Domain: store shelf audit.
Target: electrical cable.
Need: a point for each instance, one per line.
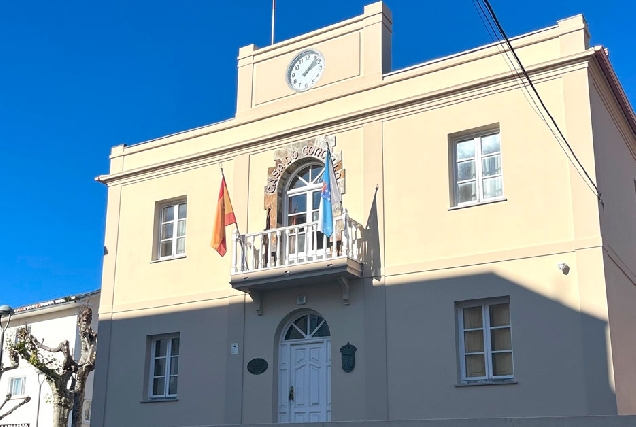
(587, 179)
(527, 94)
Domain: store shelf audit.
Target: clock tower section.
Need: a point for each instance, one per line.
(354, 55)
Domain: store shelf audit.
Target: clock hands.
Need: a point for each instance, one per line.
(312, 65)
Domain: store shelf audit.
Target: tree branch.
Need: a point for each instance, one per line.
(66, 376)
(25, 400)
(15, 361)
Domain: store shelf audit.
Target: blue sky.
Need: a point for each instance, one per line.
(78, 77)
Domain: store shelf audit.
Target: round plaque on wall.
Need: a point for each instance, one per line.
(257, 366)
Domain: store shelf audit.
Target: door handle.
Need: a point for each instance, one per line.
(291, 393)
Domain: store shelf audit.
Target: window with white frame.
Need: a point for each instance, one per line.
(86, 411)
(164, 367)
(16, 386)
(477, 161)
(172, 230)
(485, 341)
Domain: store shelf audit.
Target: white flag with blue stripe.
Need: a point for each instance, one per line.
(329, 196)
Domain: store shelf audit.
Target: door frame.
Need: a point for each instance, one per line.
(285, 357)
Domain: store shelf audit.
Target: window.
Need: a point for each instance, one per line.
(16, 386)
(302, 203)
(307, 327)
(164, 367)
(485, 341)
(478, 175)
(172, 230)
(86, 411)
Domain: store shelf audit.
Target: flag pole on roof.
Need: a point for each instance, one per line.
(273, 16)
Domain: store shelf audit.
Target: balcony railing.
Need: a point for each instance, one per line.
(296, 245)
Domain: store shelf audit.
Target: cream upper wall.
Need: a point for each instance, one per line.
(419, 225)
(428, 81)
(342, 60)
(201, 271)
(616, 170)
(420, 228)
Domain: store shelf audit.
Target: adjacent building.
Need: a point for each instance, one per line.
(474, 269)
(51, 322)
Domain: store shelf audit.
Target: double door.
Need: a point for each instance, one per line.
(305, 382)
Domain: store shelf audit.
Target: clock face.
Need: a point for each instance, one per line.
(305, 70)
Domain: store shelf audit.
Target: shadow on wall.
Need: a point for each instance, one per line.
(560, 358)
(372, 255)
(560, 355)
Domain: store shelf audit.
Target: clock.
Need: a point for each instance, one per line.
(305, 70)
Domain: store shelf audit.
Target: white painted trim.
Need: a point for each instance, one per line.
(485, 304)
(22, 379)
(284, 348)
(166, 376)
(174, 204)
(477, 159)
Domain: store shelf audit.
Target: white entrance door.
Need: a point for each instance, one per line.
(305, 372)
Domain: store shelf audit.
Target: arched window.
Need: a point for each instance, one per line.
(302, 200)
(306, 327)
(303, 195)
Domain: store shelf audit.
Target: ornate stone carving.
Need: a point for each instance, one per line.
(286, 161)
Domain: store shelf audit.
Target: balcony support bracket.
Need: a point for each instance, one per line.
(344, 282)
(258, 300)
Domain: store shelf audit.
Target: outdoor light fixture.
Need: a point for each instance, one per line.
(565, 269)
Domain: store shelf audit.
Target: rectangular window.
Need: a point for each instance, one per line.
(172, 230)
(164, 367)
(477, 162)
(86, 411)
(16, 386)
(485, 341)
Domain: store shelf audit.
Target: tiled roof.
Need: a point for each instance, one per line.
(54, 302)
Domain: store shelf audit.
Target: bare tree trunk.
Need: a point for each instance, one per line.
(61, 412)
(66, 377)
(78, 406)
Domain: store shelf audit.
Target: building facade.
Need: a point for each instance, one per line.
(472, 272)
(51, 322)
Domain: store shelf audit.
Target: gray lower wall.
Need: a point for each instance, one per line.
(590, 421)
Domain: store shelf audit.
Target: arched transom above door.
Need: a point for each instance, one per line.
(287, 161)
(306, 327)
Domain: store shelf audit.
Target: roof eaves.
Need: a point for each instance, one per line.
(55, 302)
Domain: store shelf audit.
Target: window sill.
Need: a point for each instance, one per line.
(485, 202)
(154, 261)
(487, 382)
(160, 399)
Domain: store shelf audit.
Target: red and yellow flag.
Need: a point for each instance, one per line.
(224, 217)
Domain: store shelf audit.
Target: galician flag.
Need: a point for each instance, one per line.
(224, 217)
(330, 196)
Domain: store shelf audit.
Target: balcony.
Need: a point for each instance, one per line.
(298, 255)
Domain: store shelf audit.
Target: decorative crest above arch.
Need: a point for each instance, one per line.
(286, 160)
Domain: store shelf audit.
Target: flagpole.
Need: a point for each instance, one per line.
(273, 16)
(238, 232)
(236, 223)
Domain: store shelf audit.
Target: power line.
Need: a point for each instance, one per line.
(488, 25)
(491, 12)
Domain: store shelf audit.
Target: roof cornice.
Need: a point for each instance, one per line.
(421, 102)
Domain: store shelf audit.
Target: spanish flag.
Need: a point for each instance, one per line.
(224, 217)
